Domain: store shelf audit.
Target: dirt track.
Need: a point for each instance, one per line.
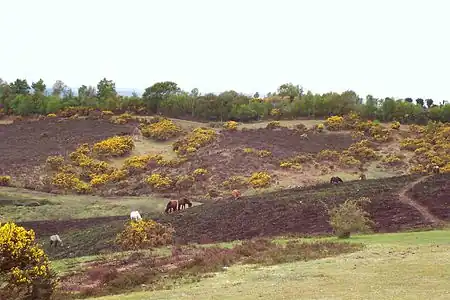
(26, 144)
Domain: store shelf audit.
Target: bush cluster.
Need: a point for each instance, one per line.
(275, 113)
(69, 181)
(136, 163)
(395, 125)
(51, 115)
(361, 150)
(259, 179)
(328, 155)
(144, 234)
(230, 125)
(114, 146)
(199, 137)
(72, 111)
(335, 123)
(235, 182)
(319, 127)
(115, 175)
(184, 182)
(55, 162)
(161, 130)
(392, 159)
(24, 266)
(349, 217)
(200, 173)
(159, 182)
(291, 165)
(123, 118)
(5, 180)
(273, 124)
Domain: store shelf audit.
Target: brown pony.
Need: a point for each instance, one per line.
(362, 176)
(182, 203)
(171, 206)
(236, 194)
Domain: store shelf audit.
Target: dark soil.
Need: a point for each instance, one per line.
(434, 193)
(27, 144)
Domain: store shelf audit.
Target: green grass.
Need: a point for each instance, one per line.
(413, 265)
(62, 207)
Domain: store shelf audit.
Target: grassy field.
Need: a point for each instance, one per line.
(413, 265)
(16, 204)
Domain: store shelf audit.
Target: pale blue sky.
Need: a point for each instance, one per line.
(396, 48)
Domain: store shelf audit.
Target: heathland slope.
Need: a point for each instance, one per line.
(292, 211)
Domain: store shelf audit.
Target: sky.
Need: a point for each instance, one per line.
(386, 48)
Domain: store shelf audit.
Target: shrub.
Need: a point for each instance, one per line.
(235, 182)
(70, 182)
(319, 127)
(395, 125)
(357, 135)
(248, 150)
(330, 155)
(361, 151)
(24, 266)
(348, 161)
(184, 182)
(162, 130)
(231, 125)
(200, 172)
(276, 113)
(123, 118)
(290, 164)
(334, 123)
(139, 163)
(349, 217)
(392, 159)
(55, 162)
(259, 179)
(99, 179)
(273, 124)
(107, 113)
(445, 169)
(171, 162)
(5, 180)
(418, 169)
(264, 153)
(144, 234)
(51, 115)
(114, 146)
(159, 182)
(199, 137)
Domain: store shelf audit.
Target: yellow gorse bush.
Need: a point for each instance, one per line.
(395, 125)
(259, 179)
(273, 124)
(22, 261)
(200, 172)
(51, 115)
(196, 139)
(159, 182)
(329, 155)
(139, 163)
(334, 123)
(55, 162)
(392, 159)
(235, 182)
(5, 180)
(114, 146)
(144, 234)
(230, 125)
(68, 181)
(161, 130)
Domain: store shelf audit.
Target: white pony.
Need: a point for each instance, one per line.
(55, 239)
(135, 216)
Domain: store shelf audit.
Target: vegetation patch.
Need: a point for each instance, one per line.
(162, 130)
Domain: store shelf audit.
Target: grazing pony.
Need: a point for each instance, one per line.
(55, 239)
(236, 194)
(182, 203)
(171, 206)
(335, 180)
(436, 169)
(135, 216)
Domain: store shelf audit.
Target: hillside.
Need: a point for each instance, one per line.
(299, 211)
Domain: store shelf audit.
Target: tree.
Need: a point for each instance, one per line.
(106, 89)
(420, 101)
(23, 265)
(39, 87)
(290, 90)
(58, 88)
(429, 102)
(20, 87)
(349, 217)
(256, 95)
(410, 100)
(153, 95)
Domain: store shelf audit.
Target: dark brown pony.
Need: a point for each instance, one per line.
(335, 180)
(182, 203)
(171, 206)
(362, 177)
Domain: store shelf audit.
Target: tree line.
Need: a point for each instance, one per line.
(167, 98)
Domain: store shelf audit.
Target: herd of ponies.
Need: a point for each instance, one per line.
(174, 205)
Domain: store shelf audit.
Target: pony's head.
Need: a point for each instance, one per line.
(189, 203)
